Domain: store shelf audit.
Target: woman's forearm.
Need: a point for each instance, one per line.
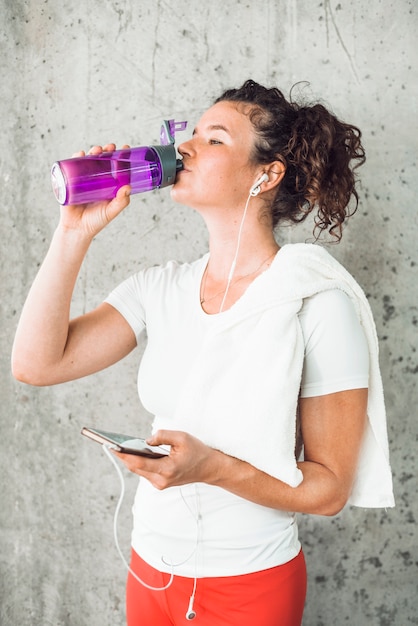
(42, 331)
(320, 492)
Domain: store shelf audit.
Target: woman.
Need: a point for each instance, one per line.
(245, 346)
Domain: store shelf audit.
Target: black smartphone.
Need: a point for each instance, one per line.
(125, 443)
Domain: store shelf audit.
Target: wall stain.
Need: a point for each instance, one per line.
(389, 308)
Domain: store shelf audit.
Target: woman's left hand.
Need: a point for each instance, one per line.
(189, 461)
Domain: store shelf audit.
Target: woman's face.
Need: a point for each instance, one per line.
(217, 170)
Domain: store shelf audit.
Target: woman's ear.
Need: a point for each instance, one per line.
(271, 177)
(275, 172)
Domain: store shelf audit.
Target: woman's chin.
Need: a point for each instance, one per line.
(178, 194)
(174, 193)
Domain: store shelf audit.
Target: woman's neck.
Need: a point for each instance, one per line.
(253, 249)
(232, 268)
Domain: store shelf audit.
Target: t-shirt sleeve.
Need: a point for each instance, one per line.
(128, 299)
(336, 350)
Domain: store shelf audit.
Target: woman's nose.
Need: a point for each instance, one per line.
(185, 148)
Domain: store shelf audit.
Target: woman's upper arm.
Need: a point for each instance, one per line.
(332, 429)
(95, 340)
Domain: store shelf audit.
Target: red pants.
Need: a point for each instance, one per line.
(272, 597)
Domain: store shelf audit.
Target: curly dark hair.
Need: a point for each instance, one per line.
(319, 152)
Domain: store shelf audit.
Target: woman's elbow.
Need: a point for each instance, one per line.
(334, 505)
(30, 374)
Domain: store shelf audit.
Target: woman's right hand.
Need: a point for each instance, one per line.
(89, 219)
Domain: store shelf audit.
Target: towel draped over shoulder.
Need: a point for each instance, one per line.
(242, 393)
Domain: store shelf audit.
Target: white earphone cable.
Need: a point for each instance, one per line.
(115, 527)
(234, 261)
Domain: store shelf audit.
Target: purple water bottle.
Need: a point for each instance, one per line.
(98, 177)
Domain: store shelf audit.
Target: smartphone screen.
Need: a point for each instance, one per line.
(125, 443)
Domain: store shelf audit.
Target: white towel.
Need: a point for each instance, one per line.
(242, 394)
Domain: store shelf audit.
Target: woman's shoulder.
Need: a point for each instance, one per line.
(330, 302)
(329, 309)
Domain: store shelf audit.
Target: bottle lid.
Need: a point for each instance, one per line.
(168, 164)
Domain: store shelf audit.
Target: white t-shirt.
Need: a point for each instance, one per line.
(198, 529)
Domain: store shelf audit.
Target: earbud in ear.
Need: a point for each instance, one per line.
(255, 189)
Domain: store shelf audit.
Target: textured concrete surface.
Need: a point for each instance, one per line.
(78, 73)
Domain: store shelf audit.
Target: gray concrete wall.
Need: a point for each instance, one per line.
(78, 73)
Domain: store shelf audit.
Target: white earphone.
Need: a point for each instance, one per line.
(255, 189)
(191, 613)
